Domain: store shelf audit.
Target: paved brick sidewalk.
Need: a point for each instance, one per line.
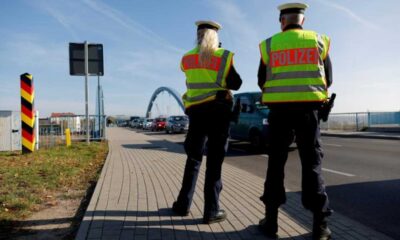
(139, 183)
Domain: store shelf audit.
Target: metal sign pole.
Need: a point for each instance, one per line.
(98, 103)
(103, 115)
(79, 58)
(87, 92)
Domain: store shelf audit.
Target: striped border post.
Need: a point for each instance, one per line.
(27, 113)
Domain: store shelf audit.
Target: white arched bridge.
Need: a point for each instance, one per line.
(168, 90)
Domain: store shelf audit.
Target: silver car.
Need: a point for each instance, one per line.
(177, 124)
(147, 123)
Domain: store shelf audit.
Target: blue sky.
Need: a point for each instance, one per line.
(144, 41)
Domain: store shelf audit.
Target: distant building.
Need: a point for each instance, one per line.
(67, 120)
(59, 115)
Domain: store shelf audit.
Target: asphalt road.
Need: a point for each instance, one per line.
(362, 176)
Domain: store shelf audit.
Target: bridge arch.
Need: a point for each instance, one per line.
(159, 90)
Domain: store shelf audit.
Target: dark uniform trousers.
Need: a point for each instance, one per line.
(305, 125)
(208, 124)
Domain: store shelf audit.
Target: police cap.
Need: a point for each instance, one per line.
(208, 24)
(292, 8)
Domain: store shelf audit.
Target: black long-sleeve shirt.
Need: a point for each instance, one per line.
(233, 80)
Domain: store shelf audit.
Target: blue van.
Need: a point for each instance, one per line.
(253, 120)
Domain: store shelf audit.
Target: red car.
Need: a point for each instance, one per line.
(158, 124)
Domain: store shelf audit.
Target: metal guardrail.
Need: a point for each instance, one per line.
(52, 130)
(359, 121)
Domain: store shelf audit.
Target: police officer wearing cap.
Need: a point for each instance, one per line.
(294, 76)
(210, 75)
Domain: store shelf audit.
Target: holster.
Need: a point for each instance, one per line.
(323, 111)
(326, 107)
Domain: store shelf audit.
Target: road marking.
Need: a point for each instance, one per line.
(238, 149)
(332, 145)
(337, 172)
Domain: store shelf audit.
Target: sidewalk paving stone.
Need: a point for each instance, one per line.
(141, 179)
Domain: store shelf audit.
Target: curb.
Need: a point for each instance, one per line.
(355, 135)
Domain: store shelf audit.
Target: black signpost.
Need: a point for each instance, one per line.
(77, 59)
(86, 59)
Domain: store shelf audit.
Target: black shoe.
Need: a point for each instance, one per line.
(320, 228)
(321, 233)
(269, 229)
(269, 224)
(178, 210)
(218, 217)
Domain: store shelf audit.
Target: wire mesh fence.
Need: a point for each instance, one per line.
(360, 121)
(52, 129)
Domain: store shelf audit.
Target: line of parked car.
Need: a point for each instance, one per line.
(171, 124)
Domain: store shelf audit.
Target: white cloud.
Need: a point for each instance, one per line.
(243, 37)
(26, 50)
(236, 22)
(61, 19)
(149, 65)
(130, 24)
(350, 14)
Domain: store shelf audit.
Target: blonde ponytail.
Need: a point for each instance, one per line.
(207, 39)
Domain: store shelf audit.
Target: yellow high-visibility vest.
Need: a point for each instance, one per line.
(295, 68)
(203, 82)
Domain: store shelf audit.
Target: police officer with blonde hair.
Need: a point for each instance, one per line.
(208, 102)
(294, 76)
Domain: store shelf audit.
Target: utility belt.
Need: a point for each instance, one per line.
(323, 108)
(222, 104)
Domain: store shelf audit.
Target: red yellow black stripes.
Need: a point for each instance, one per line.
(27, 113)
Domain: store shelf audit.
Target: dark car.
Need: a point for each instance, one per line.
(133, 121)
(158, 124)
(253, 120)
(177, 124)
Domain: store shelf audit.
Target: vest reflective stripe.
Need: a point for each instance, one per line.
(320, 45)
(300, 88)
(268, 51)
(203, 82)
(293, 97)
(201, 85)
(295, 70)
(222, 68)
(323, 45)
(294, 82)
(297, 74)
(202, 97)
